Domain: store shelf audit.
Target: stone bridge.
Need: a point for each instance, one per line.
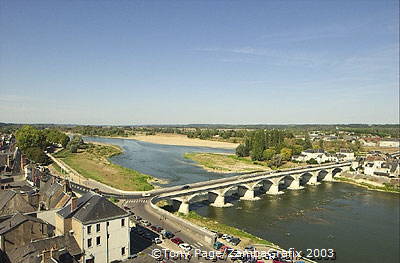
(250, 186)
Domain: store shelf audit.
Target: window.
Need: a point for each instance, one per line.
(89, 229)
(98, 241)
(122, 222)
(123, 251)
(89, 242)
(98, 228)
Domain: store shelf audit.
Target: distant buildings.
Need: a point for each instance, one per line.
(393, 143)
(320, 156)
(378, 164)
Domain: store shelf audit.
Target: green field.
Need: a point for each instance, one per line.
(92, 162)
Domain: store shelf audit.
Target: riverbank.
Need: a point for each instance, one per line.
(224, 163)
(230, 163)
(177, 139)
(92, 162)
(370, 185)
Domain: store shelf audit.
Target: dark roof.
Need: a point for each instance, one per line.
(15, 221)
(31, 252)
(5, 197)
(93, 207)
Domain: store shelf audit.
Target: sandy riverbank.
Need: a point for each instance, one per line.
(181, 140)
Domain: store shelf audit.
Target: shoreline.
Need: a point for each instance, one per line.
(371, 187)
(175, 140)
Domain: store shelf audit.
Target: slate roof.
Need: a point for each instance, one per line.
(91, 208)
(15, 221)
(31, 253)
(5, 197)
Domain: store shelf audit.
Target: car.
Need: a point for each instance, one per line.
(137, 218)
(157, 240)
(185, 187)
(218, 245)
(235, 241)
(145, 223)
(224, 236)
(185, 246)
(177, 240)
(168, 235)
(146, 194)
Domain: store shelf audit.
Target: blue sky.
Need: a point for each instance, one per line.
(177, 62)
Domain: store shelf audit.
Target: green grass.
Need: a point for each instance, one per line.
(247, 238)
(93, 163)
(387, 188)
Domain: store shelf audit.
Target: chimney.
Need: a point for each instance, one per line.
(74, 203)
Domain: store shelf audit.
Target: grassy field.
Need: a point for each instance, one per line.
(247, 238)
(93, 163)
(228, 163)
(224, 163)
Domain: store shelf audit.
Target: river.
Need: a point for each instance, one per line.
(361, 225)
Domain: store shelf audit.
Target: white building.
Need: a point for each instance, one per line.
(100, 228)
(317, 154)
(345, 155)
(390, 143)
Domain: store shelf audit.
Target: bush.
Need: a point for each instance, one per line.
(312, 161)
(36, 155)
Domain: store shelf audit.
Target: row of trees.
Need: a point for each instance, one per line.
(33, 142)
(275, 146)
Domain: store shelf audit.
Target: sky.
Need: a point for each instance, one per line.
(184, 62)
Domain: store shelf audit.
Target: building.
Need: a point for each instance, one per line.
(54, 194)
(12, 202)
(345, 155)
(393, 143)
(319, 155)
(370, 141)
(22, 229)
(57, 249)
(99, 227)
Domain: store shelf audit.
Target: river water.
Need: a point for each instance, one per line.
(361, 225)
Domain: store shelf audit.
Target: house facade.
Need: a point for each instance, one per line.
(99, 227)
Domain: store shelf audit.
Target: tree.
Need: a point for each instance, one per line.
(242, 150)
(307, 142)
(296, 149)
(28, 136)
(312, 161)
(36, 155)
(258, 144)
(321, 144)
(269, 153)
(276, 161)
(286, 154)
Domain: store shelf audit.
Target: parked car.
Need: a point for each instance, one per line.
(185, 187)
(177, 240)
(146, 223)
(235, 241)
(218, 245)
(137, 218)
(167, 234)
(185, 246)
(157, 240)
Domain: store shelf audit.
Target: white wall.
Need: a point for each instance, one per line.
(118, 238)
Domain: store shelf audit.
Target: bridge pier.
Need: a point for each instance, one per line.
(249, 195)
(274, 188)
(219, 201)
(184, 207)
(314, 179)
(295, 184)
(329, 176)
